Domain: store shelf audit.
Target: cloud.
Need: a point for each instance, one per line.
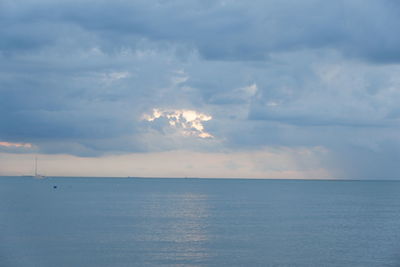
(187, 122)
(219, 30)
(16, 147)
(7, 144)
(77, 78)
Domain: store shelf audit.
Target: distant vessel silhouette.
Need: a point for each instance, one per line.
(37, 176)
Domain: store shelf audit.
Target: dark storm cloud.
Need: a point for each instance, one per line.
(226, 30)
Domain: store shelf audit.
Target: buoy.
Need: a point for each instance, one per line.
(54, 186)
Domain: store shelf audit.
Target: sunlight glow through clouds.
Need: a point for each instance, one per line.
(8, 144)
(190, 122)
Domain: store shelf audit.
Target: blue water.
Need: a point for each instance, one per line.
(194, 222)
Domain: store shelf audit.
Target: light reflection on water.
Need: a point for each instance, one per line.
(180, 222)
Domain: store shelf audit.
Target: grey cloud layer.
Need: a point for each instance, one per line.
(76, 76)
(227, 30)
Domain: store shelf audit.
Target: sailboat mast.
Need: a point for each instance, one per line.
(35, 166)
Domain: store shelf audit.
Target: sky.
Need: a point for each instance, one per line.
(306, 89)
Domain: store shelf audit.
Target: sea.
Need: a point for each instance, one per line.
(99, 222)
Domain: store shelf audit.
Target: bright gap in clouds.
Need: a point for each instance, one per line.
(189, 122)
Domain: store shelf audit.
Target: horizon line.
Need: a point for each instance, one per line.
(204, 178)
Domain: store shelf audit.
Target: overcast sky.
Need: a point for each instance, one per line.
(272, 88)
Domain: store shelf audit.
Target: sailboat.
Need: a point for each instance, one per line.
(37, 176)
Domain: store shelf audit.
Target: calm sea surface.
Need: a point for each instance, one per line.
(198, 222)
